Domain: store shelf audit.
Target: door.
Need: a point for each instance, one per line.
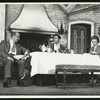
(78, 39)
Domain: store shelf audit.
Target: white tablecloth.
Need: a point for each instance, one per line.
(44, 63)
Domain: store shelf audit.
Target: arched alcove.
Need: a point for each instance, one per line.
(88, 26)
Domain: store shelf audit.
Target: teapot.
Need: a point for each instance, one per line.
(49, 49)
(43, 48)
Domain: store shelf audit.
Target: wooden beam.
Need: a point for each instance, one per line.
(68, 8)
(87, 7)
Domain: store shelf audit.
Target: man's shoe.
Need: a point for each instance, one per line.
(5, 84)
(20, 83)
(9, 83)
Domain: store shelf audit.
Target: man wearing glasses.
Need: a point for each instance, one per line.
(8, 50)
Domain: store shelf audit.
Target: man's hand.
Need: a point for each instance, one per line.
(27, 52)
(10, 58)
(22, 58)
(25, 56)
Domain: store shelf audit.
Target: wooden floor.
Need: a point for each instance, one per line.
(72, 89)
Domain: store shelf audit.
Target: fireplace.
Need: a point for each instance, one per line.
(34, 26)
(32, 41)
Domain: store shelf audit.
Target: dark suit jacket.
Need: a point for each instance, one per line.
(60, 49)
(5, 47)
(97, 49)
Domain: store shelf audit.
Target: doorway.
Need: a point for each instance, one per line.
(79, 36)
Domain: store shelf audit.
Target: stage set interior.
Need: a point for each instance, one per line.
(37, 23)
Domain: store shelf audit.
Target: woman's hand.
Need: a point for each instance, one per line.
(93, 52)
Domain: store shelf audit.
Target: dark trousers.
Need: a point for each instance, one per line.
(9, 64)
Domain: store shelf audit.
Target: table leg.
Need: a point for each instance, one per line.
(92, 79)
(56, 78)
(64, 79)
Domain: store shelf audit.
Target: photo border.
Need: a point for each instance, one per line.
(50, 96)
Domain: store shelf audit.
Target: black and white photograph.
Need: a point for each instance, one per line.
(50, 49)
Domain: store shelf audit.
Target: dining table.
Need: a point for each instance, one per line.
(45, 62)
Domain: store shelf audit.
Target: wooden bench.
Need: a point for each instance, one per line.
(75, 68)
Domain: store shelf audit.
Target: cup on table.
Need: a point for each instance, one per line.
(49, 49)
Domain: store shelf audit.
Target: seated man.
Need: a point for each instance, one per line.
(95, 50)
(8, 49)
(56, 46)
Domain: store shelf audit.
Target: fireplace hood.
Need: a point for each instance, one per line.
(33, 19)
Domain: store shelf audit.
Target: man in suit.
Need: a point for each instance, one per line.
(56, 46)
(9, 48)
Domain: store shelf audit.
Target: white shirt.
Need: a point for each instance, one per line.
(56, 47)
(95, 47)
(11, 46)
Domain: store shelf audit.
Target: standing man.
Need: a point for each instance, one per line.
(8, 49)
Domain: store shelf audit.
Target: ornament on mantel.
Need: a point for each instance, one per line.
(99, 31)
(62, 30)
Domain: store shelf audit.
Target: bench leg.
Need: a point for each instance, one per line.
(56, 72)
(92, 79)
(64, 79)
